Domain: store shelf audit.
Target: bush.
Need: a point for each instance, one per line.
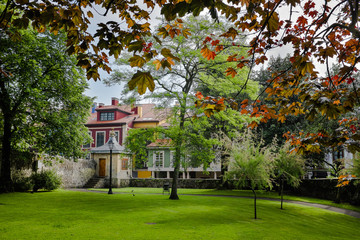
(47, 180)
(22, 183)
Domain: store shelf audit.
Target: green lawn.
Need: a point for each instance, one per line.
(87, 215)
(244, 193)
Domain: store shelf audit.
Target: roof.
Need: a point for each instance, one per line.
(112, 107)
(152, 114)
(149, 114)
(105, 148)
(92, 120)
(160, 143)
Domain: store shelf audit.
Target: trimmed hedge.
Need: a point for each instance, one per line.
(326, 189)
(183, 183)
(317, 188)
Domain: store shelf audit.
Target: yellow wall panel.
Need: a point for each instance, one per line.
(144, 174)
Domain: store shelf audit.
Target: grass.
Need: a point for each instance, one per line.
(243, 193)
(86, 215)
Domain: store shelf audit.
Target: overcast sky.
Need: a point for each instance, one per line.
(98, 89)
(104, 94)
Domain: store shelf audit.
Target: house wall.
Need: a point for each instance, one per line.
(166, 157)
(145, 124)
(107, 131)
(118, 172)
(197, 172)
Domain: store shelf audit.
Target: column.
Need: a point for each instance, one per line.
(215, 176)
(167, 174)
(188, 175)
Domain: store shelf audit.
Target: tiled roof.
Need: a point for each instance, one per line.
(160, 143)
(111, 107)
(152, 114)
(92, 120)
(149, 114)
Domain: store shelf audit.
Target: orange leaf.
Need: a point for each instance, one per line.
(231, 71)
(207, 53)
(253, 125)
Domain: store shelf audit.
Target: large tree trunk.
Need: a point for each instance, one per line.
(6, 184)
(178, 143)
(224, 168)
(174, 195)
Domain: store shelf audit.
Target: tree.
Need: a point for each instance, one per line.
(176, 82)
(250, 164)
(318, 32)
(289, 167)
(42, 106)
(136, 142)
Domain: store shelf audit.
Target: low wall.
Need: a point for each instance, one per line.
(72, 173)
(182, 183)
(317, 188)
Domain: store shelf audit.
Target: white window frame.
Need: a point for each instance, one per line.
(155, 160)
(97, 137)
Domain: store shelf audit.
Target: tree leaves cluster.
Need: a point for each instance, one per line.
(42, 106)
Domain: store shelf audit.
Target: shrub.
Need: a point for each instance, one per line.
(47, 180)
(22, 183)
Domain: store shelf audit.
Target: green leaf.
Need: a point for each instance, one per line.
(167, 53)
(137, 61)
(135, 46)
(142, 80)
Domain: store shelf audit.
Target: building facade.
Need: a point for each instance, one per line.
(119, 119)
(160, 163)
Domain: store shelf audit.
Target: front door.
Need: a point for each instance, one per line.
(102, 166)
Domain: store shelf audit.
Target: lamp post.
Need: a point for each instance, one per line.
(111, 146)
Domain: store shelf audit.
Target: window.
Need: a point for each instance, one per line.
(159, 159)
(124, 164)
(88, 145)
(107, 116)
(100, 139)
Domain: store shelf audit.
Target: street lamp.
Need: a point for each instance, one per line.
(111, 146)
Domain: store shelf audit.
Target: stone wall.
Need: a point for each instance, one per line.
(73, 173)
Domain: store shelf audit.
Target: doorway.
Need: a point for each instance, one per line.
(102, 167)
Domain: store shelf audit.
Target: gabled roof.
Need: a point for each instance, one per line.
(105, 148)
(124, 109)
(160, 143)
(152, 114)
(92, 120)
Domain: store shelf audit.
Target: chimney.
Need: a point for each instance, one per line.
(101, 105)
(137, 110)
(114, 101)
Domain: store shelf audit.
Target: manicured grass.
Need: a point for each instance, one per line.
(244, 193)
(88, 215)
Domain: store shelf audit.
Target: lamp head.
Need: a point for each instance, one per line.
(111, 143)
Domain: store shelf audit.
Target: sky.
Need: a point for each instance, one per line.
(98, 89)
(103, 93)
